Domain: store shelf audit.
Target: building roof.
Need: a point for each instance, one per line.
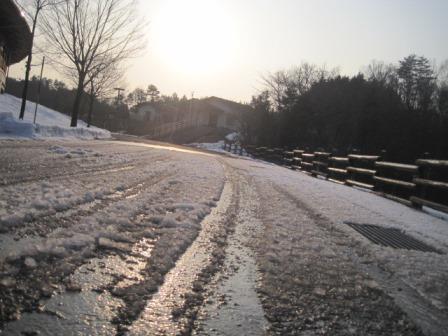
(227, 106)
(15, 31)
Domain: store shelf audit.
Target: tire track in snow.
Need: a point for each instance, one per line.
(196, 181)
(173, 308)
(68, 170)
(232, 305)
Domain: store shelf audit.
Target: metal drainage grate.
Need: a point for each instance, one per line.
(390, 237)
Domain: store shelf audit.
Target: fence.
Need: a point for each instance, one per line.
(320, 164)
(361, 170)
(395, 180)
(431, 185)
(422, 184)
(307, 162)
(236, 148)
(337, 171)
(297, 160)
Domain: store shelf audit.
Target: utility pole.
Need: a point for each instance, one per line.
(119, 91)
(38, 89)
(7, 70)
(190, 112)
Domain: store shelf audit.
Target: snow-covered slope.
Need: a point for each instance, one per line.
(49, 123)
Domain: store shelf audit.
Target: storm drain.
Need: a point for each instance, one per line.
(390, 237)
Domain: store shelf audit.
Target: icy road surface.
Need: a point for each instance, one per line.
(121, 238)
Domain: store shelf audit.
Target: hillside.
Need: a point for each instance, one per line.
(49, 123)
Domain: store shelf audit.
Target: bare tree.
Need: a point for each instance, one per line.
(442, 74)
(383, 73)
(294, 82)
(102, 81)
(84, 35)
(32, 9)
(442, 91)
(276, 84)
(305, 75)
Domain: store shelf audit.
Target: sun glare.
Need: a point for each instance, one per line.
(195, 37)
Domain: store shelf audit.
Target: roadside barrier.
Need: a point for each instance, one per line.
(395, 180)
(320, 164)
(260, 153)
(431, 185)
(234, 147)
(307, 162)
(361, 170)
(422, 184)
(288, 159)
(337, 171)
(297, 160)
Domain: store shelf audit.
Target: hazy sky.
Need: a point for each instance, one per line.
(222, 47)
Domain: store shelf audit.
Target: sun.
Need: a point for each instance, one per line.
(196, 36)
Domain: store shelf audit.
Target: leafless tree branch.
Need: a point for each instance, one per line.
(90, 38)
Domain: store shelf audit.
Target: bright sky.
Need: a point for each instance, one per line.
(222, 47)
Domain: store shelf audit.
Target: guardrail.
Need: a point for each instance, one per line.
(422, 184)
(320, 164)
(431, 185)
(361, 170)
(297, 160)
(288, 159)
(395, 180)
(337, 171)
(307, 162)
(234, 147)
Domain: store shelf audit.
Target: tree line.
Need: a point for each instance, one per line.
(401, 108)
(112, 113)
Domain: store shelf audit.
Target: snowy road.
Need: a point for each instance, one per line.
(120, 238)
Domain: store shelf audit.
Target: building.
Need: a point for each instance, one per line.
(212, 112)
(154, 113)
(15, 38)
(222, 113)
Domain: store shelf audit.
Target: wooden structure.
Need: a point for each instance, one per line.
(307, 162)
(320, 164)
(395, 180)
(250, 149)
(15, 38)
(422, 184)
(361, 170)
(297, 160)
(431, 185)
(288, 159)
(337, 170)
(260, 153)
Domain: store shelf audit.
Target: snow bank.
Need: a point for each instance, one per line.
(214, 147)
(49, 123)
(232, 136)
(217, 147)
(10, 127)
